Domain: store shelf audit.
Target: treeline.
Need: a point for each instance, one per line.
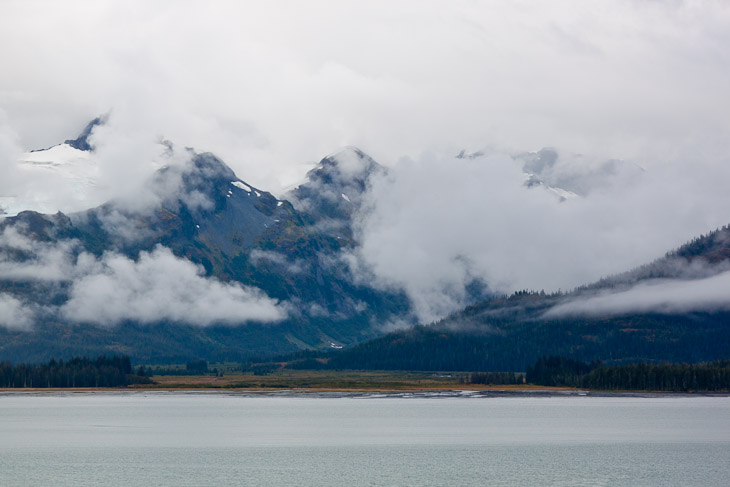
(559, 371)
(103, 371)
(710, 245)
(713, 247)
(674, 377)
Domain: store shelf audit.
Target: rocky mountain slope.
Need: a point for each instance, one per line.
(279, 264)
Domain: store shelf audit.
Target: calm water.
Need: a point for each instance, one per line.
(162, 439)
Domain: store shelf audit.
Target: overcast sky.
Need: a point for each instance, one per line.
(274, 85)
(271, 87)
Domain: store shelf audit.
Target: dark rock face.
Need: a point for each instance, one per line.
(82, 141)
(336, 188)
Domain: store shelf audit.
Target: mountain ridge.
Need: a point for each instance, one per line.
(509, 333)
(235, 232)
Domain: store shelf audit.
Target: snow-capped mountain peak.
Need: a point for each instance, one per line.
(69, 168)
(71, 171)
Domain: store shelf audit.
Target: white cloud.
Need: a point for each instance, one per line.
(162, 287)
(434, 224)
(271, 86)
(158, 286)
(44, 261)
(121, 168)
(659, 296)
(14, 314)
(10, 151)
(267, 257)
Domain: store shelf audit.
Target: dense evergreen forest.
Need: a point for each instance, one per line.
(103, 371)
(676, 377)
(513, 346)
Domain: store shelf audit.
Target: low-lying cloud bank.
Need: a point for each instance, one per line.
(42, 261)
(658, 296)
(433, 225)
(113, 288)
(162, 287)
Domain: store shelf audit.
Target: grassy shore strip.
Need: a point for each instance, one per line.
(379, 390)
(316, 381)
(320, 379)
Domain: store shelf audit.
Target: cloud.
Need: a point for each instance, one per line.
(273, 87)
(264, 257)
(10, 151)
(656, 296)
(120, 169)
(113, 288)
(41, 261)
(125, 219)
(127, 153)
(14, 315)
(433, 225)
(162, 287)
(317, 311)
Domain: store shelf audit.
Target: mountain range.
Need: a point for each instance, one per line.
(202, 264)
(282, 264)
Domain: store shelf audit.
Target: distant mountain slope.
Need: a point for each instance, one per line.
(82, 141)
(704, 256)
(510, 333)
(514, 345)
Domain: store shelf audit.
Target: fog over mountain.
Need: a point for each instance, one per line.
(462, 219)
(523, 145)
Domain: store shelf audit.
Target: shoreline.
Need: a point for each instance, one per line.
(359, 393)
(349, 383)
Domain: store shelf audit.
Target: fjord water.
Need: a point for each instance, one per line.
(179, 439)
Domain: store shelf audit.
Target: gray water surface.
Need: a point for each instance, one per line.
(163, 439)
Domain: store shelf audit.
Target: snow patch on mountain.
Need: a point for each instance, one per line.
(242, 186)
(58, 155)
(74, 174)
